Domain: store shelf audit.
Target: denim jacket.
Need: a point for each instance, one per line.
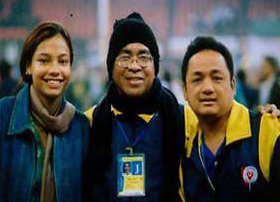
(18, 153)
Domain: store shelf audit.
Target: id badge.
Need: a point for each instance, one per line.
(131, 175)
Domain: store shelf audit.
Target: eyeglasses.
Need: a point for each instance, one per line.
(126, 60)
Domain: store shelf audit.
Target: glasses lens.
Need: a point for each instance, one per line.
(142, 60)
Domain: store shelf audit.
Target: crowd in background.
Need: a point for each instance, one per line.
(236, 22)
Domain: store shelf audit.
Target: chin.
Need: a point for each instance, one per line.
(206, 113)
(53, 95)
(134, 93)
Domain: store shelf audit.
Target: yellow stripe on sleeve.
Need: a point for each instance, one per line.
(269, 132)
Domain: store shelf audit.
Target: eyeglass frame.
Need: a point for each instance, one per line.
(130, 60)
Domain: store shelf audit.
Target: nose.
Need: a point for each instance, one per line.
(54, 69)
(207, 87)
(134, 66)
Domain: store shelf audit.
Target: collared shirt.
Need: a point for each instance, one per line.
(210, 159)
(40, 154)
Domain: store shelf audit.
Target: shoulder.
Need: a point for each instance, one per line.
(269, 126)
(6, 105)
(80, 124)
(255, 119)
(81, 117)
(6, 108)
(168, 92)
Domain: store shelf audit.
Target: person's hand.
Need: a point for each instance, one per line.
(271, 109)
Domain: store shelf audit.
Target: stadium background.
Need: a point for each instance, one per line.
(250, 28)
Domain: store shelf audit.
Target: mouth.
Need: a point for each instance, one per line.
(54, 83)
(208, 101)
(134, 80)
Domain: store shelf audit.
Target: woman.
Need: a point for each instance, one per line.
(43, 138)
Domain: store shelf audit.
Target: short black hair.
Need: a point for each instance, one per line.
(273, 62)
(201, 43)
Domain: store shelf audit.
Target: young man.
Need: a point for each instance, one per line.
(138, 122)
(232, 154)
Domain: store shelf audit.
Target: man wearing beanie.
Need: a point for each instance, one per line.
(137, 126)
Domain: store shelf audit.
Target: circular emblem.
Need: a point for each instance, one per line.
(250, 174)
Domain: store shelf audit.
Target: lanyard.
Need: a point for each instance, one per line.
(202, 155)
(139, 137)
(202, 160)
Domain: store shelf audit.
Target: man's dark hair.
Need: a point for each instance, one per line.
(273, 62)
(206, 43)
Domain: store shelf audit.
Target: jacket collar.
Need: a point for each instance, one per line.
(19, 121)
(238, 126)
(146, 117)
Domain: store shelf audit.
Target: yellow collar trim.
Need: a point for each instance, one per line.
(115, 111)
(238, 126)
(191, 128)
(146, 117)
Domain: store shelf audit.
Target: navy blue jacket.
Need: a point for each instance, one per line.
(18, 153)
(247, 168)
(150, 144)
(162, 143)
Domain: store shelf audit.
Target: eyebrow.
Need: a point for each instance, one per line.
(199, 73)
(141, 51)
(48, 55)
(215, 71)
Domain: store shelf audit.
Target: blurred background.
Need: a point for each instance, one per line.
(249, 28)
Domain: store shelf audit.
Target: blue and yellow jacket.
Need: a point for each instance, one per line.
(150, 145)
(248, 168)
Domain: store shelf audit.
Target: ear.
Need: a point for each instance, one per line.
(232, 84)
(184, 87)
(28, 71)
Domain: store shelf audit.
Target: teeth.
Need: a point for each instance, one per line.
(53, 81)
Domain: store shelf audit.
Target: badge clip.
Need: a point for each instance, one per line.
(130, 150)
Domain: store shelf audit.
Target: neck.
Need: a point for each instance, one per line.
(147, 103)
(51, 105)
(214, 131)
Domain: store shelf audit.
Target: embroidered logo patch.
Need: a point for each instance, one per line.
(250, 174)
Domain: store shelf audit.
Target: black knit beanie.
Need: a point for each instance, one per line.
(132, 29)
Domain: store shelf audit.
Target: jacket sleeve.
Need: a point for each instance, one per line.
(275, 172)
(269, 153)
(6, 106)
(181, 188)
